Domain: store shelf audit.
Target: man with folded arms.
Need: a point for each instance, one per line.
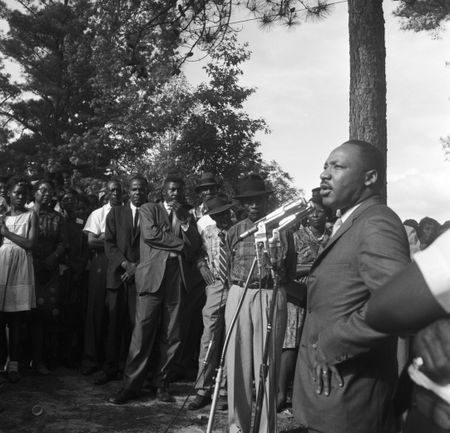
(214, 269)
(169, 245)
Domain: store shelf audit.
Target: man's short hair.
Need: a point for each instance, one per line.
(114, 180)
(16, 180)
(139, 177)
(372, 159)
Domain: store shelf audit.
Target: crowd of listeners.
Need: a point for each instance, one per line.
(58, 275)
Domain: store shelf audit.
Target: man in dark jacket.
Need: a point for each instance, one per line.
(169, 244)
(346, 371)
(122, 251)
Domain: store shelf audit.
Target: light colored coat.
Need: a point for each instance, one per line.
(365, 252)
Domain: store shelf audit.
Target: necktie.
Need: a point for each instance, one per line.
(223, 268)
(136, 221)
(173, 222)
(337, 225)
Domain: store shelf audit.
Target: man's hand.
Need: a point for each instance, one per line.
(3, 228)
(432, 344)
(207, 274)
(323, 374)
(130, 270)
(181, 212)
(432, 407)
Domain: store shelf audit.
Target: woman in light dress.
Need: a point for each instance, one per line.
(18, 230)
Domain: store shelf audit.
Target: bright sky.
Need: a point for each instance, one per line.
(302, 80)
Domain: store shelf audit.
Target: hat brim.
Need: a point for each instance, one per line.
(219, 209)
(203, 185)
(248, 194)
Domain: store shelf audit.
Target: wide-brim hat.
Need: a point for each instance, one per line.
(218, 204)
(251, 185)
(207, 179)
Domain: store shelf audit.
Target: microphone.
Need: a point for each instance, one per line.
(298, 208)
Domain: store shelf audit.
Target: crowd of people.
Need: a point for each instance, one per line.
(125, 287)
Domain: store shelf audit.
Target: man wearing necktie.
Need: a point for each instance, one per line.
(346, 371)
(169, 243)
(122, 251)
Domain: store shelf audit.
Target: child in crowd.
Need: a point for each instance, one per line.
(18, 229)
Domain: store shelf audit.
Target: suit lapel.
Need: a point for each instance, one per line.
(374, 200)
(128, 214)
(164, 214)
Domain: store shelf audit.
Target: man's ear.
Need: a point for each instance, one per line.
(370, 177)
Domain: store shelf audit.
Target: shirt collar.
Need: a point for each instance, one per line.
(345, 216)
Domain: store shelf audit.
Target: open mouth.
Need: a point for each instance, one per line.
(325, 189)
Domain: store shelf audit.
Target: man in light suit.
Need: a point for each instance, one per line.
(122, 251)
(169, 245)
(346, 371)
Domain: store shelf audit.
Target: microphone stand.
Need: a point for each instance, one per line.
(275, 256)
(284, 217)
(224, 350)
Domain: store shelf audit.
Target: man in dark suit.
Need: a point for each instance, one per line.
(346, 371)
(169, 245)
(122, 251)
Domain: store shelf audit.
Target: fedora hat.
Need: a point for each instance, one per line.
(206, 179)
(218, 204)
(251, 185)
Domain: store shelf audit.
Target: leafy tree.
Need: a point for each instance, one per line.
(281, 183)
(419, 15)
(212, 131)
(102, 90)
(445, 141)
(82, 101)
(426, 15)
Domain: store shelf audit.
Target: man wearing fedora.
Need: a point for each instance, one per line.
(213, 266)
(207, 188)
(169, 245)
(245, 352)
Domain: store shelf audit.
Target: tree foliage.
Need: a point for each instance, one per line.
(419, 15)
(80, 103)
(213, 131)
(102, 93)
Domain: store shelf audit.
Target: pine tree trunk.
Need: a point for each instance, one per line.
(367, 72)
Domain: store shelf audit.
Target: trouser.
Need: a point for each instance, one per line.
(191, 332)
(245, 353)
(121, 311)
(211, 342)
(94, 330)
(157, 314)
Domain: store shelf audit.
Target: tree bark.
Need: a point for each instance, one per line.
(367, 72)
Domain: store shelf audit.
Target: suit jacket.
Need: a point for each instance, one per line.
(121, 243)
(365, 252)
(157, 241)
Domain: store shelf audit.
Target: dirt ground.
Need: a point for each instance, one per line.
(72, 404)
